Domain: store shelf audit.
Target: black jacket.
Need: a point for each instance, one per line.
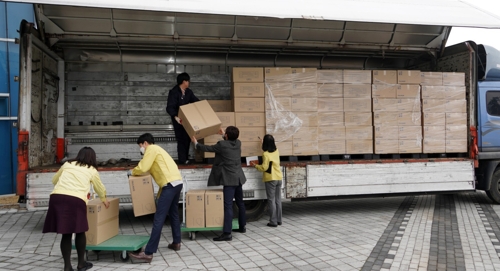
(175, 100)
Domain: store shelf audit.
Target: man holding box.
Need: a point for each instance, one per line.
(179, 95)
(166, 174)
(227, 171)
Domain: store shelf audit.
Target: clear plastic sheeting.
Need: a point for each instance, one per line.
(284, 123)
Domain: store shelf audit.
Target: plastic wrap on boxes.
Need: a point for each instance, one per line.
(456, 106)
(304, 104)
(431, 118)
(304, 90)
(330, 90)
(358, 118)
(386, 132)
(454, 92)
(387, 105)
(284, 102)
(386, 146)
(284, 122)
(409, 118)
(433, 105)
(434, 133)
(433, 92)
(383, 77)
(330, 105)
(327, 133)
(304, 75)
(357, 91)
(277, 74)
(387, 91)
(456, 118)
(456, 132)
(453, 78)
(309, 119)
(330, 118)
(279, 89)
(306, 134)
(431, 78)
(331, 147)
(357, 105)
(408, 91)
(411, 77)
(409, 105)
(357, 77)
(456, 145)
(330, 76)
(359, 132)
(385, 118)
(410, 132)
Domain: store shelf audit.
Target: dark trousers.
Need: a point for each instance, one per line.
(168, 203)
(183, 142)
(235, 192)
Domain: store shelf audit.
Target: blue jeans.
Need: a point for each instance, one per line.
(168, 203)
(235, 192)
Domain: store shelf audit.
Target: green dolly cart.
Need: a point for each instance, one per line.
(121, 243)
(192, 231)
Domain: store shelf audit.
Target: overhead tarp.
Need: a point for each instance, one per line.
(415, 12)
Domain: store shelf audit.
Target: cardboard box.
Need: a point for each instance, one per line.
(304, 90)
(330, 104)
(103, 222)
(309, 119)
(456, 119)
(453, 79)
(221, 105)
(330, 118)
(252, 133)
(357, 77)
(457, 132)
(358, 119)
(454, 92)
(386, 132)
(331, 147)
(285, 147)
(358, 132)
(387, 105)
(304, 75)
(281, 132)
(431, 78)
(384, 91)
(456, 106)
(409, 105)
(214, 208)
(251, 148)
(195, 208)
(410, 132)
(383, 146)
(250, 119)
(306, 134)
(199, 119)
(359, 146)
(212, 140)
(226, 118)
(408, 91)
(278, 74)
(330, 90)
(434, 133)
(331, 133)
(410, 77)
(279, 89)
(243, 74)
(456, 145)
(304, 104)
(437, 119)
(433, 92)
(301, 147)
(384, 77)
(249, 105)
(433, 105)
(434, 146)
(279, 104)
(410, 146)
(330, 76)
(208, 155)
(357, 91)
(248, 90)
(142, 194)
(357, 105)
(385, 118)
(409, 118)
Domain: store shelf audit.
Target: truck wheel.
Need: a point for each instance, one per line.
(494, 192)
(254, 209)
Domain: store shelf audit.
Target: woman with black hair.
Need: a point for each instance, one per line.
(272, 177)
(67, 213)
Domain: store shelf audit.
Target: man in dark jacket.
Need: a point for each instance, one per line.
(227, 171)
(179, 95)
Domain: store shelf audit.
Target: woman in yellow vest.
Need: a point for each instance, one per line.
(272, 178)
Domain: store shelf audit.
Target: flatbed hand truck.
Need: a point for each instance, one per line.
(123, 243)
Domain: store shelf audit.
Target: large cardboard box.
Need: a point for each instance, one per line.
(304, 90)
(409, 118)
(384, 91)
(453, 78)
(221, 105)
(456, 106)
(410, 146)
(357, 91)
(199, 119)
(330, 105)
(243, 74)
(434, 146)
(331, 147)
(285, 147)
(433, 105)
(226, 118)
(408, 91)
(410, 132)
(386, 133)
(251, 148)
(278, 74)
(363, 146)
(456, 118)
(456, 145)
(279, 89)
(433, 92)
(279, 104)
(410, 77)
(306, 134)
(304, 75)
(387, 105)
(357, 105)
(195, 208)
(330, 90)
(436, 119)
(330, 76)
(249, 105)
(454, 92)
(357, 77)
(409, 104)
(103, 223)
(331, 133)
(252, 133)
(358, 118)
(309, 119)
(434, 133)
(384, 77)
(358, 132)
(385, 118)
(304, 104)
(214, 208)
(330, 118)
(301, 147)
(431, 78)
(142, 193)
(386, 146)
(250, 119)
(248, 90)
(456, 132)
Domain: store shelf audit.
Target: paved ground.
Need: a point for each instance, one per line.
(431, 232)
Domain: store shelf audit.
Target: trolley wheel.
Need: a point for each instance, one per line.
(192, 235)
(124, 256)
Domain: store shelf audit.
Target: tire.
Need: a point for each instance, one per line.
(254, 209)
(494, 192)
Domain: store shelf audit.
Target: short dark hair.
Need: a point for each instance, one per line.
(232, 133)
(147, 137)
(86, 158)
(268, 143)
(183, 77)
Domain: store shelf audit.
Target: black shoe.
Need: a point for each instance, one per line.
(272, 225)
(279, 223)
(224, 237)
(241, 230)
(87, 266)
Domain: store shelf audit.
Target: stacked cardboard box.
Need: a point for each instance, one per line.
(456, 112)
(433, 109)
(204, 208)
(249, 109)
(103, 222)
(331, 126)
